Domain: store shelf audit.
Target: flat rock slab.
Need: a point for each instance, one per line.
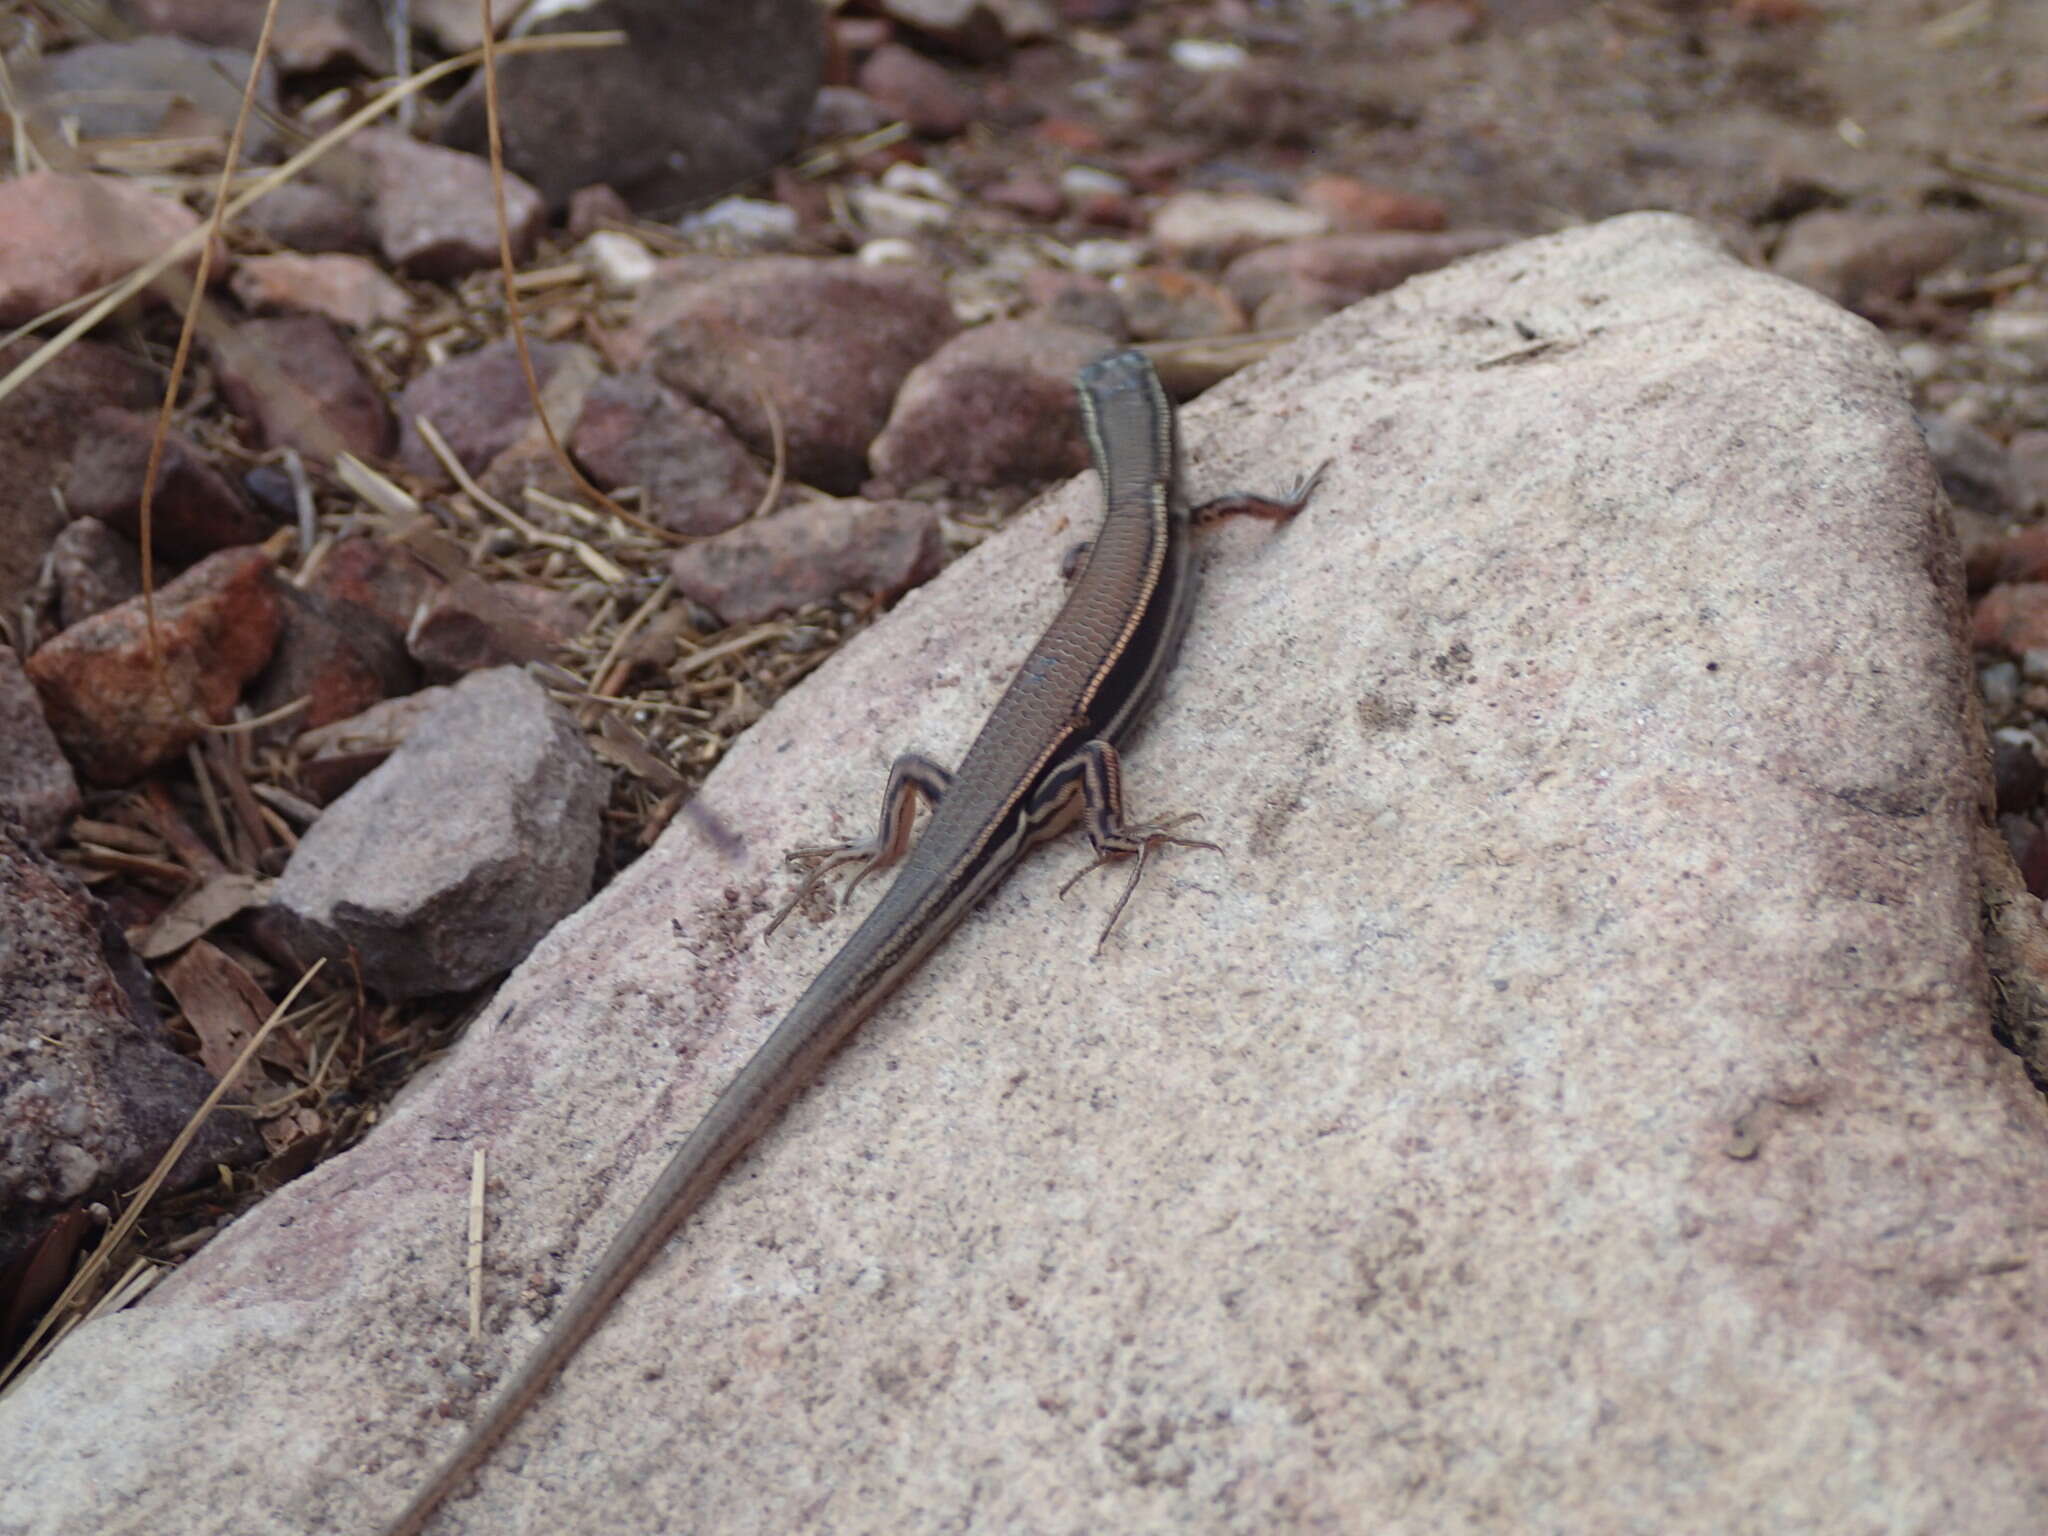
(1569, 1103)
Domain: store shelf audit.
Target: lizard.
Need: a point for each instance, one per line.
(1045, 758)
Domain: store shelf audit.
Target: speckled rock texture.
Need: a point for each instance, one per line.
(91, 1093)
(1568, 1103)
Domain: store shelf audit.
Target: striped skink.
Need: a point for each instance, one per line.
(1045, 758)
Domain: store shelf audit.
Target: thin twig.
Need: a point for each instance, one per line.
(508, 271)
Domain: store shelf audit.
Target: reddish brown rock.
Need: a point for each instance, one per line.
(115, 713)
(298, 382)
(196, 509)
(432, 211)
(1168, 304)
(330, 662)
(1355, 206)
(1348, 267)
(36, 783)
(473, 626)
(307, 216)
(2012, 617)
(1860, 259)
(909, 86)
(1074, 298)
(62, 236)
(478, 402)
(39, 427)
(809, 554)
(1070, 134)
(94, 568)
(346, 289)
(993, 406)
(2020, 556)
(378, 581)
(829, 341)
(146, 87)
(1028, 193)
(693, 474)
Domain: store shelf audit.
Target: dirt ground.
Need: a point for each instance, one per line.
(1556, 113)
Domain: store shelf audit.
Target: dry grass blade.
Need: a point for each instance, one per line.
(199, 911)
(594, 562)
(775, 629)
(603, 682)
(383, 494)
(89, 1272)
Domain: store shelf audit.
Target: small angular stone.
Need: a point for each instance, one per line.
(116, 714)
(703, 98)
(479, 625)
(91, 1093)
(308, 216)
(693, 474)
(2012, 617)
(1168, 304)
(153, 86)
(330, 662)
(1354, 206)
(378, 581)
(62, 236)
(993, 406)
(295, 378)
(448, 863)
(346, 289)
(95, 568)
(333, 758)
(1348, 268)
(308, 36)
(1859, 259)
(829, 341)
(432, 210)
(479, 402)
(196, 509)
(40, 425)
(808, 554)
(36, 783)
(907, 85)
(1214, 226)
